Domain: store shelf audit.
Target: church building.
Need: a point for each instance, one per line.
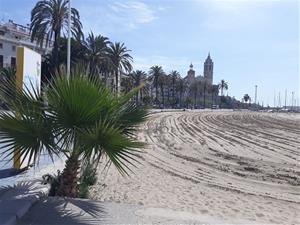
(207, 72)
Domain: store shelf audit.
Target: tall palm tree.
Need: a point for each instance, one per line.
(174, 76)
(138, 77)
(223, 86)
(82, 120)
(168, 86)
(127, 84)
(194, 89)
(120, 60)
(7, 75)
(96, 52)
(162, 81)
(49, 19)
(156, 72)
(206, 88)
(214, 93)
(181, 87)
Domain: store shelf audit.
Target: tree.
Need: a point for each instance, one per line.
(96, 53)
(7, 75)
(49, 20)
(156, 72)
(138, 77)
(223, 86)
(82, 120)
(181, 87)
(214, 93)
(174, 76)
(205, 89)
(247, 98)
(194, 89)
(120, 60)
(162, 80)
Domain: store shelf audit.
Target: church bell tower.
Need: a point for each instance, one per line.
(208, 69)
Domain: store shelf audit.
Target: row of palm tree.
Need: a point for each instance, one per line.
(170, 89)
(102, 57)
(49, 23)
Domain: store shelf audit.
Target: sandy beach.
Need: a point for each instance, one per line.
(234, 166)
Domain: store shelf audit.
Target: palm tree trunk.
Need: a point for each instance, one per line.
(69, 178)
(163, 96)
(156, 91)
(180, 97)
(56, 51)
(137, 98)
(204, 97)
(117, 81)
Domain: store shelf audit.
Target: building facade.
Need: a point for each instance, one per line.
(13, 35)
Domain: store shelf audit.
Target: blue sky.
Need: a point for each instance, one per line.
(250, 41)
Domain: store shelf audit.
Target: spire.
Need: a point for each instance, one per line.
(191, 66)
(208, 59)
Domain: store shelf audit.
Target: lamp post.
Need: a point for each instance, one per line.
(255, 96)
(292, 100)
(285, 98)
(69, 41)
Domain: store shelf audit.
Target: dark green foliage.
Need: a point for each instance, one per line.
(82, 120)
(89, 174)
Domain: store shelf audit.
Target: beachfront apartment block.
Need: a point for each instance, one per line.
(13, 35)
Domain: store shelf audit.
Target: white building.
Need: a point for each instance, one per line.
(13, 35)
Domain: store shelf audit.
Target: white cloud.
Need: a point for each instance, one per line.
(235, 14)
(117, 16)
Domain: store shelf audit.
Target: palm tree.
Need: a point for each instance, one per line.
(82, 120)
(247, 98)
(223, 86)
(138, 77)
(7, 75)
(206, 88)
(156, 72)
(174, 76)
(194, 89)
(214, 92)
(127, 84)
(168, 86)
(96, 52)
(181, 87)
(162, 80)
(120, 60)
(49, 20)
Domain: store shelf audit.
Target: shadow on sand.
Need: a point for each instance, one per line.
(65, 211)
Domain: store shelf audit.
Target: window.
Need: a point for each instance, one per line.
(1, 45)
(1, 32)
(13, 48)
(13, 61)
(1, 61)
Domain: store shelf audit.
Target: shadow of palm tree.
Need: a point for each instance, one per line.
(24, 188)
(55, 210)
